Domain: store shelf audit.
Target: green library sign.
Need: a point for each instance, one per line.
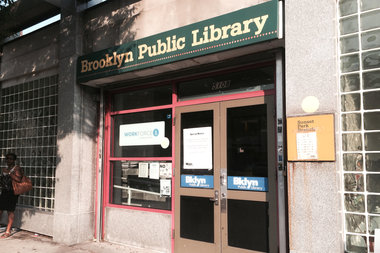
(240, 28)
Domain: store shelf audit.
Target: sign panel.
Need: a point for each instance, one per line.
(307, 145)
(197, 181)
(154, 170)
(240, 28)
(143, 170)
(141, 134)
(247, 183)
(165, 187)
(197, 148)
(311, 138)
(165, 170)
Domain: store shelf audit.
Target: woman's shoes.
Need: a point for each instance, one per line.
(5, 235)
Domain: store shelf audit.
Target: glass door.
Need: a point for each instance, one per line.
(249, 222)
(225, 188)
(197, 162)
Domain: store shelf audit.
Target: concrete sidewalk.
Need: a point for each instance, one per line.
(28, 242)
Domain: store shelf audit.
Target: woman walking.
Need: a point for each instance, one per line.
(8, 199)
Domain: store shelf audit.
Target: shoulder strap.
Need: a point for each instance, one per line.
(12, 169)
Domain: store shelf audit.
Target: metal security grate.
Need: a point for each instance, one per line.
(359, 58)
(28, 127)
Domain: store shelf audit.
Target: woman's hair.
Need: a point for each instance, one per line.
(13, 155)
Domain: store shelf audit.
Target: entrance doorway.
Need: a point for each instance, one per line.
(225, 198)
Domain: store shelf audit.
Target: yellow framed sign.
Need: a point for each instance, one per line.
(311, 138)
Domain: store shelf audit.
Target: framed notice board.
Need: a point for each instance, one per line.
(311, 138)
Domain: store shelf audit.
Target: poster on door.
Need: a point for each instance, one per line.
(197, 148)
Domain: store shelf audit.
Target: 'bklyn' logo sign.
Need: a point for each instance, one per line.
(193, 181)
(248, 183)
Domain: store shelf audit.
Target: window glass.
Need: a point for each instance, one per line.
(354, 202)
(371, 39)
(374, 223)
(371, 121)
(243, 81)
(373, 183)
(370, 20)
(353, 162)
(360, 87)
(242, 217)
(192, 121)
(198, 209)
(353, 182)
(372, 141)
(155, 96)
(356, 243)
(352, 142)
(350, 102)
(349, 25)
(369, 4)
(371, 100)
(347, 7)
(371, 59)
(141, 183)
(349, 63)
(355, 223)
(28, 127)
(349, 44)
(371, 80)
(373, 204)
(351, 122)
(373, 162)
(350, 82)
(143, 134)
(147, 134)
(247, 154)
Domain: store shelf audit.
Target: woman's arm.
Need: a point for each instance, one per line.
(16, 174)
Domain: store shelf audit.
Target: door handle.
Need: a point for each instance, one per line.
(216, 198)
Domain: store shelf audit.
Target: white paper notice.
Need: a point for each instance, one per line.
(165, 187)
(307, 146)
(143, 169)
(154, 170)
(197, 148)
(165, 170)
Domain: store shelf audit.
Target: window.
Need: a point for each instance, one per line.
(133, 99)
(141, 148)
(141, 183)
(227, 83)
(28, 128)
(360, 111)
(140, 134)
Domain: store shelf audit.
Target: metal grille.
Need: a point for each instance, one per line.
(28, 128)
(359, 58)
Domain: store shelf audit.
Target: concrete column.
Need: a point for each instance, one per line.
(311, 70)
(77, 126)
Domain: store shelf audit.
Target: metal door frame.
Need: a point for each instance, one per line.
(220, 225)
(271, 195)
(196, 246)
